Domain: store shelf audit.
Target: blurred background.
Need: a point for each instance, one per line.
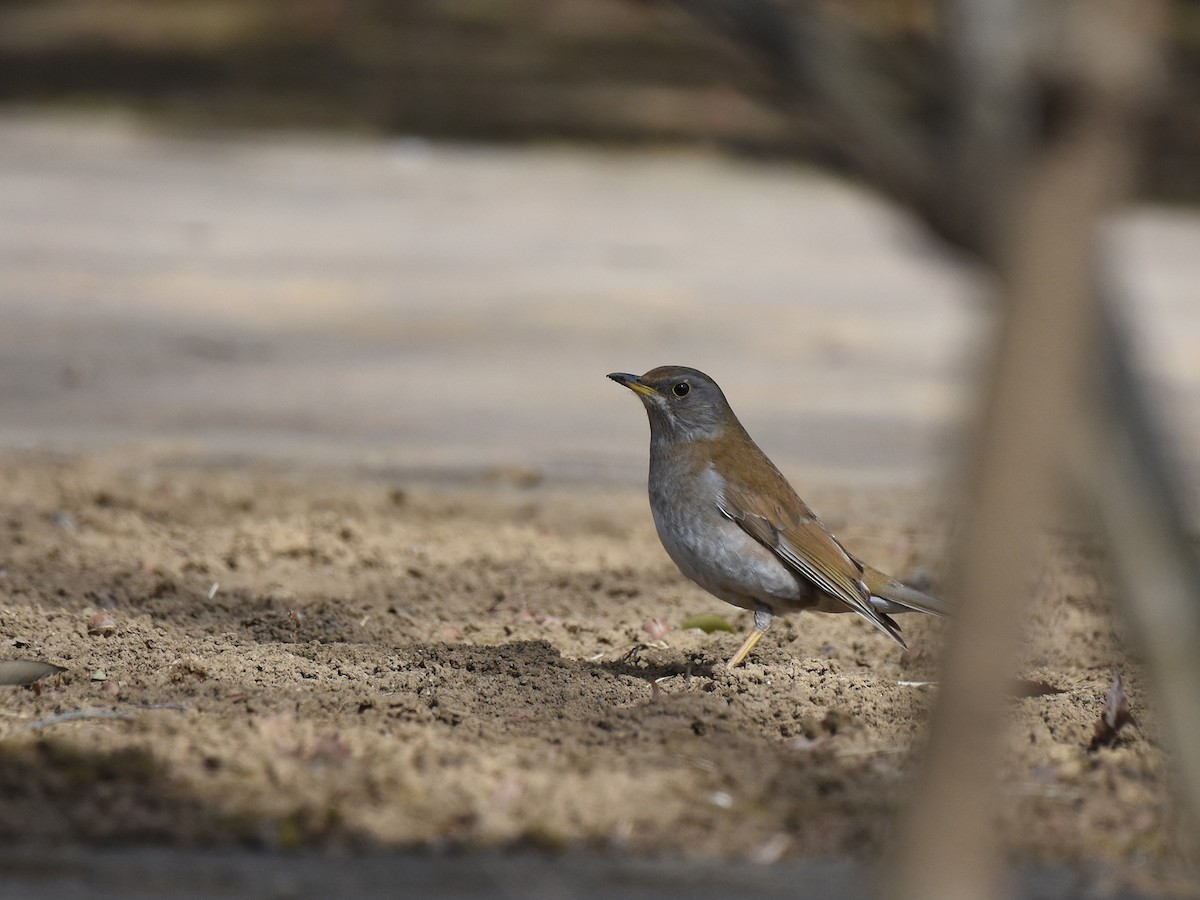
(608, 71)
(416, 236)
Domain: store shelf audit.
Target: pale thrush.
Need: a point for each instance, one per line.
(734, 525)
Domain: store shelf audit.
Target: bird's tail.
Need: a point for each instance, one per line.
(890, 596)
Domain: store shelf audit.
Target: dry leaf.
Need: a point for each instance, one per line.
(26, 671)
(1115, 716)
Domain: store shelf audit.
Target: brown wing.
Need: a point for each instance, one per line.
(791, 531)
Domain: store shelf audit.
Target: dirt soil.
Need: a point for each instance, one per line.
(316, 658)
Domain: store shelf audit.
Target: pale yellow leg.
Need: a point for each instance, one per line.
(762, 621)
(744, 650)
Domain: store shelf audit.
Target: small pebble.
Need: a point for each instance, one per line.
(102, 623)
(657, 629)
(722, 799)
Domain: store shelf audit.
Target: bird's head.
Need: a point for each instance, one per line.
(683, 404)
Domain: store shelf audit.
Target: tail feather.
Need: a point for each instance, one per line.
(890, 596)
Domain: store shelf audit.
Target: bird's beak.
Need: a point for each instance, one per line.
(634, 383)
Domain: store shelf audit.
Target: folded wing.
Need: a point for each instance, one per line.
(801, 542)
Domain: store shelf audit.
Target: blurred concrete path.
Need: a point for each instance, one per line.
(443, 308)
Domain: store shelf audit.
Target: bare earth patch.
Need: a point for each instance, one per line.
(307, 658)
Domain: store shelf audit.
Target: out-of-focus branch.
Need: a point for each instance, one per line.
(1042, 378)
(1036, 142)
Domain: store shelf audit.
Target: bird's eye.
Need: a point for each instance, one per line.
(682, 389)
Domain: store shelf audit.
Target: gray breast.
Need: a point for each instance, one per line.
(710, 549)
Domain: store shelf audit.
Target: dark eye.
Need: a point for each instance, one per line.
(682, 389)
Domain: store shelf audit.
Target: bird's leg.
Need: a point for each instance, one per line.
(762, 621)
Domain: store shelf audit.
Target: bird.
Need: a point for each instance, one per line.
(734, 525)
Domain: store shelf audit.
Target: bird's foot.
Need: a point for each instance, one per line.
(762, 621)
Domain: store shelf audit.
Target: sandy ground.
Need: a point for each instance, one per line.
(332, 449)
(359, 663)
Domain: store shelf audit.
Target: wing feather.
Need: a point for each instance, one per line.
(802, 542)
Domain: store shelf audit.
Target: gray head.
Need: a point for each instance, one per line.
(683, 404)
